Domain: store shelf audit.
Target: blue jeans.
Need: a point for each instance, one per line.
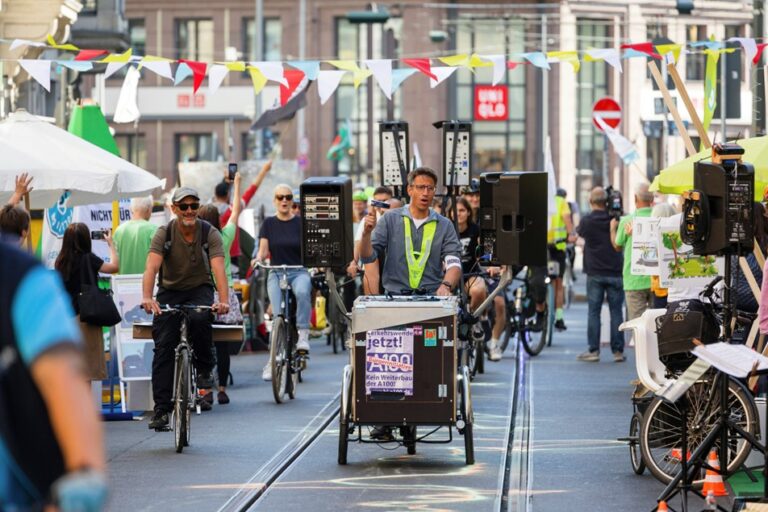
(301, 285)
(598, 287)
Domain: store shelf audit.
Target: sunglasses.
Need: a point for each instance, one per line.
(286, 197)
(186, 206)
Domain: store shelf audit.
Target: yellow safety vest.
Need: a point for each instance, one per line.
(417, 261)
(557, 233)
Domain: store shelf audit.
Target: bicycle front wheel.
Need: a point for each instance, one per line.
(181, 402)
(661, 431)
(278, 358)
(534, 341)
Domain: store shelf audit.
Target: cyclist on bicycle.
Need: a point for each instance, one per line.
(559, 234)
(185, 258)
(280, 239)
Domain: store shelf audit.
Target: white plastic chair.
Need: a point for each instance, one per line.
(650, 370)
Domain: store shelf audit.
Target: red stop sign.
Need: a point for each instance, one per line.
(608, 110)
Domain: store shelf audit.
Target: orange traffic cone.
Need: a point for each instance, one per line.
(662, 507)
(713, 481)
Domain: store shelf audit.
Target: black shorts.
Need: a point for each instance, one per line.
(558, 256)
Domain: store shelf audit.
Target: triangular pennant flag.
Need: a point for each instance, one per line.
(52, 42)
(499, 66)
(399, 76)
(112, 68)
(90, 54)
(422, 65)
(294, 77)
(538, 59)
(442, 73)
(646, 48)
(749, 45)
(127, 109)
(631, 52)
(309, 67)
(358, 75)
(455, 60)
(512, 64)
(120, 57)
(382, 72)
(258, 79)
(198, 70)
(609, 55)
(159, 67)
(40, 70)
(476, 61)
(271, 70)
(327, 82)
(760, 48)
(18, 43)
(571, 57)
(183, 71)
(235, 66)
(216, 76)
(709, 45)
(75, 65)
(672, 48)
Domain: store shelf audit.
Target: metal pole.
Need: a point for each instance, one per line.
(665, 122)
(722, 97)
(544, 95)
(369, 97)
(300, 126)
(258, 54)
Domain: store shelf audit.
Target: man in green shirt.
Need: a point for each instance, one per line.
(134, 237)
(637, 289)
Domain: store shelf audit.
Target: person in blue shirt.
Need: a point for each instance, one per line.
(51, 449)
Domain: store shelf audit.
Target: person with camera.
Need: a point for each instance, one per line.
(560, 232)
(637, 289)
(187, 253)
(603, 267)
(133, 238)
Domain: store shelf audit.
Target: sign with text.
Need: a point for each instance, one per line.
(491, 103)
(389, 361)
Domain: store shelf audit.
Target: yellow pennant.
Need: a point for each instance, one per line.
(258, 79)
(120, 57)
(476, 62)
(349, 65)
(664, 49)
(571, 57)
(455, 60)
(52, 42)
(235, 66)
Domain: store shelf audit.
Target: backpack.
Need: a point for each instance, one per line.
(169, 229)
(676, 329)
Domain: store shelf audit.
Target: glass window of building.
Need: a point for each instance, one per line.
(272, 39)
(90, 7)
(137, 33)
(132, 148)
(497, 145)
(197, 147)
(695, 62)
(194, 39)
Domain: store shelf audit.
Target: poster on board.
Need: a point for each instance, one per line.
(678, 266)
(389, 361)
(645, 261)
(134, 355)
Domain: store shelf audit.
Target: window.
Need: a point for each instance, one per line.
(695, 62)
(132, 148)
(90, 7)
(194, 40)
(272, 39)
(137, 33)
(197, 147)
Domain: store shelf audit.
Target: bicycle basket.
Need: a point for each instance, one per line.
(677, 328)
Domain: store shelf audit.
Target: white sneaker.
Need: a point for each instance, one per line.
(303, 344)
(494, 351)
(266, 373)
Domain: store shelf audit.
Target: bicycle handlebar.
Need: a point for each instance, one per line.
(279, 267)
(168, 308)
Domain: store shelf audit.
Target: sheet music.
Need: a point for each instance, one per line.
(674, 389)
(735, 360)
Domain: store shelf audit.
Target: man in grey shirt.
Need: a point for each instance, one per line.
(417, 242)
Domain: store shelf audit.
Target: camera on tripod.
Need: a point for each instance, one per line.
(614, 203)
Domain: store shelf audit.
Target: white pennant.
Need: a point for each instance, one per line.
(112, 68)
(127, 110)
(749, 45)
(272, 71)
(327, 82)
(609, 55)
(382, 72)
(216, 75)
(160, 67)
(442, 73)
(18, 43)
(40, 70)
(499, 66)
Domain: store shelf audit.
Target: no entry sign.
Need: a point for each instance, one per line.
(608, 110)
(491, 103)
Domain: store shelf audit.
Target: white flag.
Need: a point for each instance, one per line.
(127, 110)
(382, 72)
(499, 66)
(749, 45)
(623, 146)
(272, 71)
(216, 75)
(442, 73)
(112, 68)
(159, 67)
(327, 82)
(40, 70)
(609, 55)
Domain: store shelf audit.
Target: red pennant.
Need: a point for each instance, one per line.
(294, 78)
(646, 48)
(512, 64)
(198, 72)
(760, 48)
(90, 54)
(422, 65)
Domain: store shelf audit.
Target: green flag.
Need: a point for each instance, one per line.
(341, 143)
(710, 86)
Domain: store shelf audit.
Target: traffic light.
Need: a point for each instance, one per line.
(684, 6)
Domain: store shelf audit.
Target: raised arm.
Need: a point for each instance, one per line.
(237, 205)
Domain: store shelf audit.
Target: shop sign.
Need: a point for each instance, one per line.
(491, 103)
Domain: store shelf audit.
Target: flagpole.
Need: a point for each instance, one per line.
(302, 55)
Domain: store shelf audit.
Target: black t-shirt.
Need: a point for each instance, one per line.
(600, 258)
(284, 237)
(76, 278)
(470, 239)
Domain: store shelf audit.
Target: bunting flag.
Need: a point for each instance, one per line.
(399, 76)
(645, 48)
(90, 54)
(570, 57)
(672, 48)
(75, 65)
(198, 72)
(258, 79)
(235, 66)
(455, 60)
(119, 57)
(609, 55)
(327, 82)
(216, 76)
(760, 48)
(630, 53)
(623, 146)
(112, 68)
(709, 45)
(710, 86)
(512, 64)
(538, 59)
(159, 67)
(442, 73)
(39, 70)
(53, 44)
(749, 45)
(272, 71)
(127, 109)
(358, 75)
(183, 71)
(294, 78)
(382, 73)
(476, 61)
(309, 67)
(499, 63)
(18, 43)
(422, 65)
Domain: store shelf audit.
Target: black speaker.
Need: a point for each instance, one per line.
(513, 218)
(326, 211)
(729, 190)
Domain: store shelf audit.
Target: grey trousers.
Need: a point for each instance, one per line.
(637, 302)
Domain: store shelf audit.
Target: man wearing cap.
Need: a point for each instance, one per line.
(185, 252)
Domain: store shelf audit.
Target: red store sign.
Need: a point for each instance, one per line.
(184, 100)
(491, 103)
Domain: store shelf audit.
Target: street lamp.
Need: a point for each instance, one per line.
(368, 17)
